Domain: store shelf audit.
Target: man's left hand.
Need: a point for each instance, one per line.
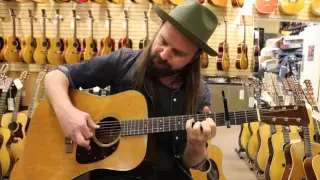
(201, 132)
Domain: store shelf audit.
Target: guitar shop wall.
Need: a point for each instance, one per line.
(136, 29)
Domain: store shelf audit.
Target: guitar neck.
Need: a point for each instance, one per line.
(307, 143)
(109, 35)
(147, 29)
(176, 123)
(58, 27)
(14, 27)
(44, 28)
(17, 104)
(31, 22)
(92, 28)
(127, 31)
(33, 102)
(75, 30)
(226, 31)
(286, 136)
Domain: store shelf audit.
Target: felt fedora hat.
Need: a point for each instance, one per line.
(194, 20)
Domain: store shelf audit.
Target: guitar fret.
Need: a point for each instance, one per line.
(245, 116)
(175, 122)
(169, 124)
(162, 125)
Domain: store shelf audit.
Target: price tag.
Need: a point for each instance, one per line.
(316, 115)
(18, 83)
(241, 94)
(251, 102)
(1, 84)
(10, 104)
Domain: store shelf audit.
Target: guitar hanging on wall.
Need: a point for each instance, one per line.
(242, 50)
(256, 50)
(219, 3)
(107, 45)
(237, 3)
(223, 61)
(291, 7)
(73, 44)
(125, 42)
(90, 43)
(145, 41)
(266, 6)
(29, 44)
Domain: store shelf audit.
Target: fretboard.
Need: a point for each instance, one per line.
(34, 100)
(307, 143)
(109, 28)
(14, 27)
(286, 136)
(44, 28)
(31, 22)
(176, 123)
(75, 30)
(2, 103)
(17, 104)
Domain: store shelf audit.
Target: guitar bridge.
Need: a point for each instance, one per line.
(68, 145)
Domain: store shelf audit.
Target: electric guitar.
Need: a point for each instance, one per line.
(43, 43)
(291, 7)
(29, 44)
(5, 154)
(266, 6)
(73, 52)
(219, 3)
(58, 46)
(223, 61)
(113, 145)
(145, 41)
(107, 45)
(125, 42)
(242, 57)
(315, 7)
(16, 121)
(12, 45)
(90, 46)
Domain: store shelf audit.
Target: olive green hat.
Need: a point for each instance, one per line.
(195, 21)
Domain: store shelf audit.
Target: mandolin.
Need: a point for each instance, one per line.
(256, 54)
(111, 146)
(58, 46)
(315, 7)
(90, 46)
(29, 44)
(242, 50)
(237, 3)
(12, 45)
(145, 41)
(73, 52)
(5, 154)
(125, 42)
(43, 43)
(266, 6)
(107, 45)
(223, 61)
(291, 7)
(219, 3)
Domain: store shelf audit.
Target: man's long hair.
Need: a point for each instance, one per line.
(191, 77)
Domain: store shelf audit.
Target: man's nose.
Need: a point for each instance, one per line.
(166, 54)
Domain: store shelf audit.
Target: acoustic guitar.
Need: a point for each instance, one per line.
(315, 7)
(29, 44)
(145, 41)
(266, 6)
(176, 2)
(16, 121)
(125, 42)
(219, 3)
(242, 50)
(256, 54)
(237, 3)
(223, 61)
(1, 48)
(99, 1)
(43, 43)
(291, 7)
(215, 157)
(5, 154)
(113, 145)
(316, 166)
(58, 46)
(117, 1)
(12, 45)
(73, 52)
(90, 46)
(204, 60)
(159, 2)
(107, 45)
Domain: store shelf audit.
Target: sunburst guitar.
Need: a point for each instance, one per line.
(107, 45)
(291, 7)
(242, 50)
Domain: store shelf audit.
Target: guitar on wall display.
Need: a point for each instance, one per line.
(145, 41)
(110, 145)
(219, 3)
(43, 43)
(266, 6)
(315, 7)
(291, 7)
(90, 44)
(256, 50)
(237, 3)
(204, 58)
(242, 50)
(12, 45)
(58, 45)
(1, 47)
(125, 42)
(223, 61)
(29, 44)
(107, 45)
(73, 52)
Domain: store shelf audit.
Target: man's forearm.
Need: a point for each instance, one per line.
(193, 155)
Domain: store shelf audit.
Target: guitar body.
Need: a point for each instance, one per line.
(57, 51)
(3, 43)
(219, 3)
(90, 46)
(308, 169)
(143, 43)
(41, 52)
(297, 155)
(4, 153)
(107, 46)
(12, 49)
(253, 146)
(17, 146)
(266, 7)
(223, 61)
(125, 43)
(117, 1)
(159, 2)
(242, 57)
(176, 2)
(288, 7)
(99, 1)
(73, 52)
(204, 60)
(244, 136)
(28, 48)
(46, 138)
(315, 7)
(237, 3)
(278, 161)
(215, 156)
(316, 166)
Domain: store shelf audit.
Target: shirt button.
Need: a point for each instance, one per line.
(174, 99)
(177, 138)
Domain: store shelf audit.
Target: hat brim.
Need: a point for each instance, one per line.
(166, 17)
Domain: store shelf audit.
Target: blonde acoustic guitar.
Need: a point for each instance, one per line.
(90, 46)
(291, 7)
(73, 52)
(29, 44)
(315, 7)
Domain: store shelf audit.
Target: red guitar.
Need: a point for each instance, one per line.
(125, 42)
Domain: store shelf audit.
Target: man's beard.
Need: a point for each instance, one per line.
(164, 70)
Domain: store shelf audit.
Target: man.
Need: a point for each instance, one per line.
(168, 74)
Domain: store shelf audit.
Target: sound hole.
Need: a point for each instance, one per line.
(92, 45)
(44, 44)
(75, 45)
(13, 126)
(15, 43)
(109, 130)
(58, 44)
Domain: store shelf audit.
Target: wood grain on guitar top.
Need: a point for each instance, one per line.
(46, 138)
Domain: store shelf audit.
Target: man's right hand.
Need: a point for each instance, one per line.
(78, 126)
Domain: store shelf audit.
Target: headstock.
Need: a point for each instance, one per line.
(308, 92)
(108, 14)
(7, 84)
(90, 14)
(145, 16)
(12, 14)
(74, 14)
(30, 13)
(43, 12)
